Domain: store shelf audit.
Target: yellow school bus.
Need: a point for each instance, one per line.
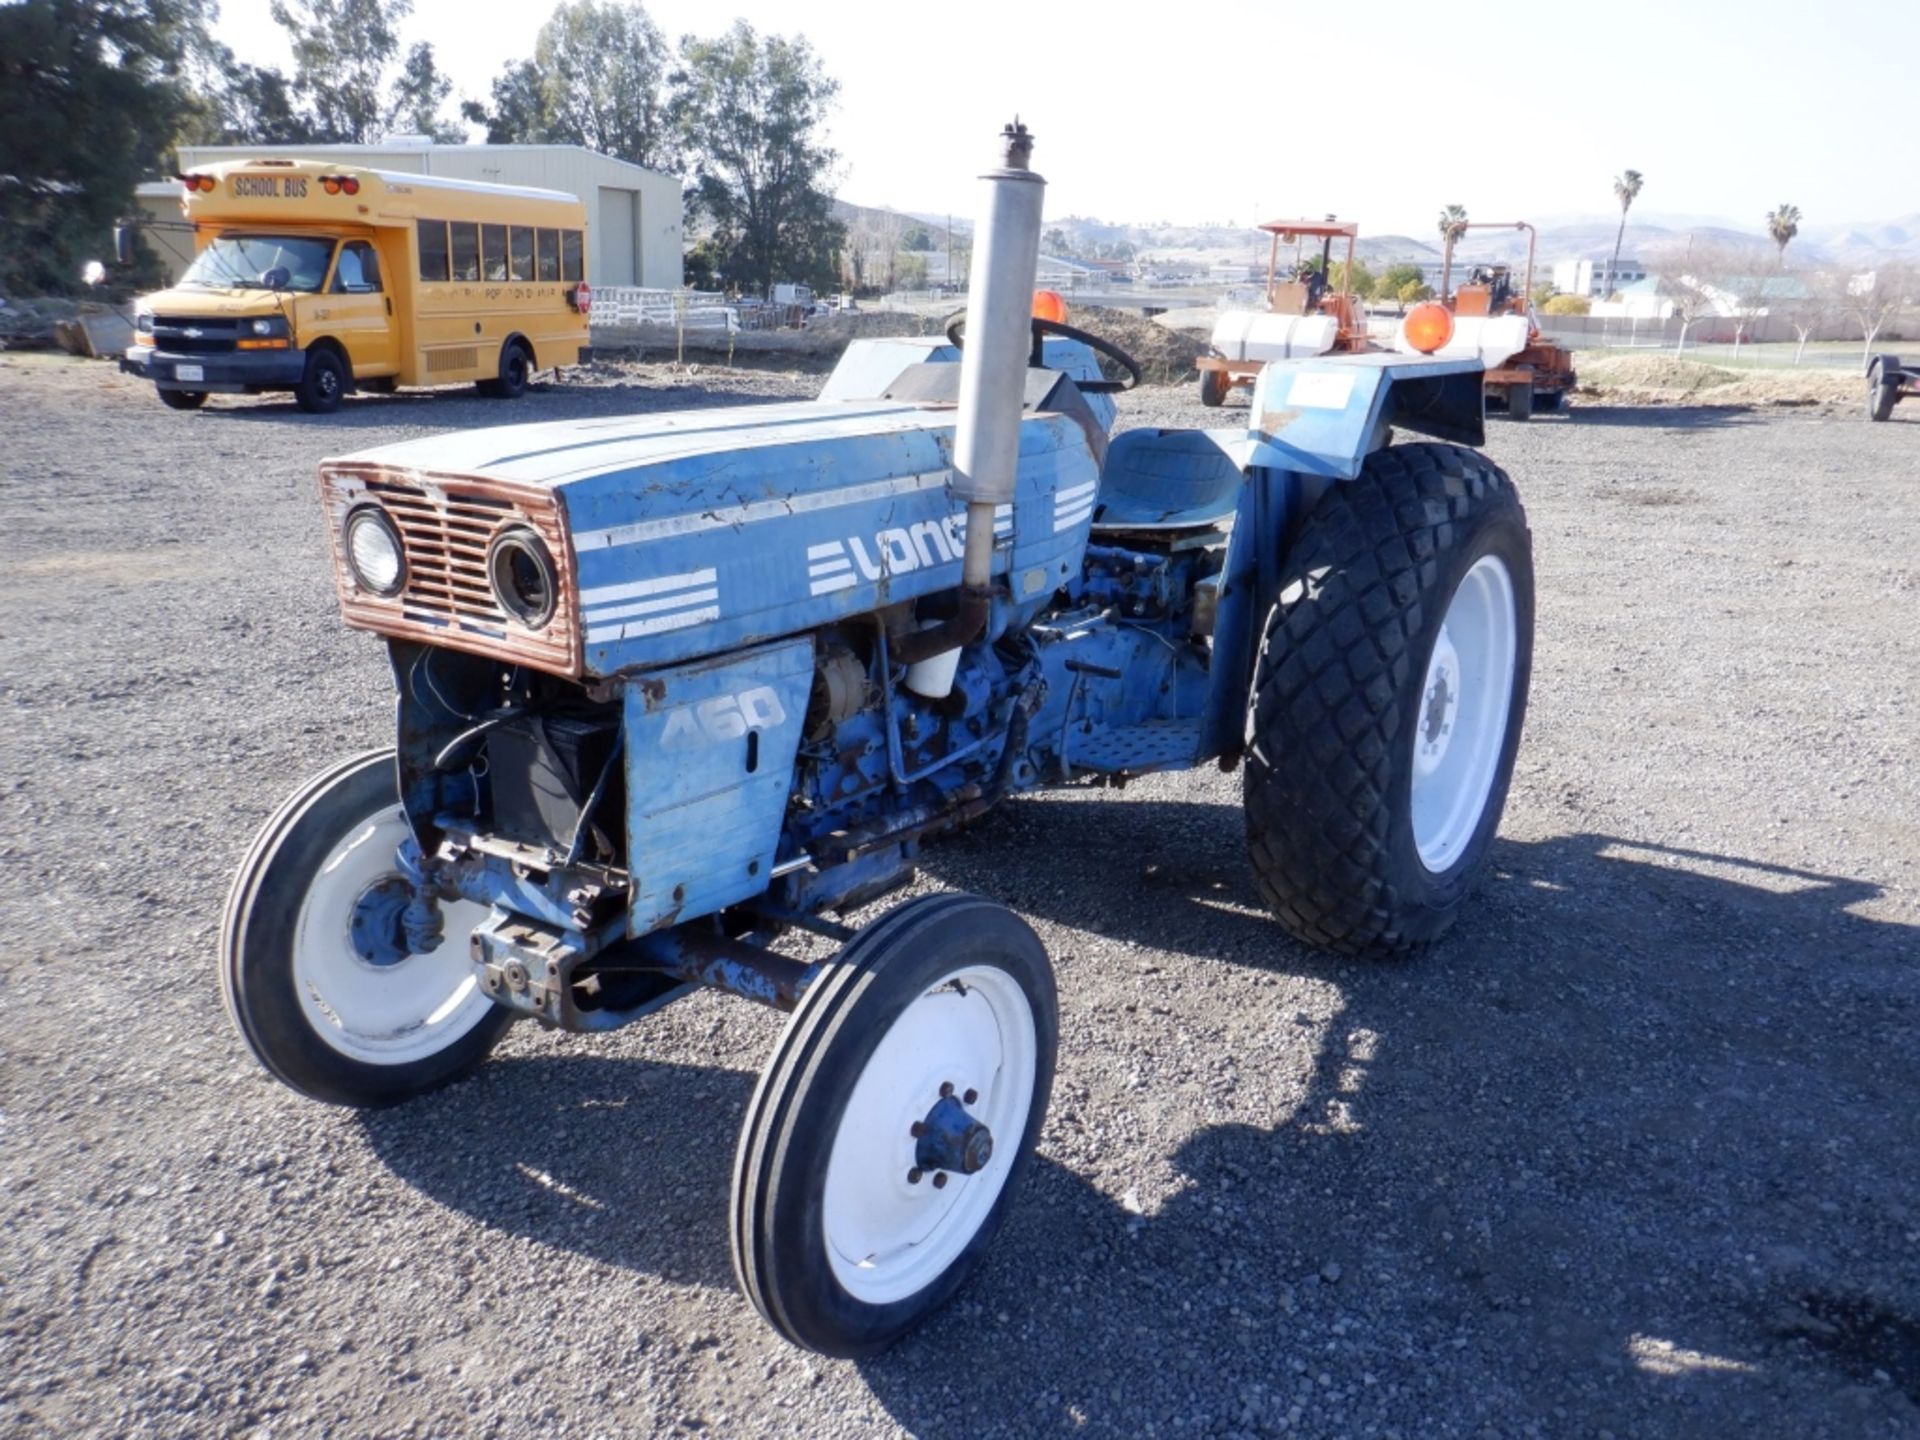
(322, 279)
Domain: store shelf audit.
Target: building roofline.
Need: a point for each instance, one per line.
(405, 147)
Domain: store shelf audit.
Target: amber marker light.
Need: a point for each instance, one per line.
(1048, 305)
(1428, 326)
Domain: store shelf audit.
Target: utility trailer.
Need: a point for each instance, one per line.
(673, 687)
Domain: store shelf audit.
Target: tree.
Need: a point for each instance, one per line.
(1698, 280)
(1783, 223)
(1816, 309)
(918, 239)
(1415, 291)
(749, 110)
(1396, 279)
(1055, 242)
(92, 93)
(418, 95)
(600, 71)
(1361, 282)
(341, 50)
(1626, 189)
(1453, 219)
(1567, 305)
(519, 113)
(1873, 299)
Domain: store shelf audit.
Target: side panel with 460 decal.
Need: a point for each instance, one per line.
(710, 755)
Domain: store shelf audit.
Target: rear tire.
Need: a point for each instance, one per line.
(845, 1234)
(1214, 385)
(1388, 701)
(181, 399)
(319, 1012)
(516, 367)
(1520, 400)
(324, 386)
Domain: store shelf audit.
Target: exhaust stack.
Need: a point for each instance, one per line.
(993, 367)
(993, 382)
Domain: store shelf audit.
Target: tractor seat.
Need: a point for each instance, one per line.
(1490, 339)
(1169, 480)
(1258, 335)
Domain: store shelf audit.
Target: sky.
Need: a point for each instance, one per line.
(1380, 113)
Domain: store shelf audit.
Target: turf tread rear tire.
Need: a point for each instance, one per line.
(1329, 755)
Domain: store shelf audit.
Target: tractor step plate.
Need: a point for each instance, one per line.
(1151, 745)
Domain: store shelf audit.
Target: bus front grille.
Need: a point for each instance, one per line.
(446, 525)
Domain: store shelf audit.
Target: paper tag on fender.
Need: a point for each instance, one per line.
(1321, 390)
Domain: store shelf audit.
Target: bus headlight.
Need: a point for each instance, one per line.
(374, 553)
(523, 577)
(269, 325)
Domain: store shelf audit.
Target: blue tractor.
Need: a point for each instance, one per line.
(673, 687)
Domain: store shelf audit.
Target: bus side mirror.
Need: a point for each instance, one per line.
(123, 244)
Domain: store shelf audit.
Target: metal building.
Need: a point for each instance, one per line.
(633, 214)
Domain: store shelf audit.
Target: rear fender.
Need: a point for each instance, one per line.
(1314, 423)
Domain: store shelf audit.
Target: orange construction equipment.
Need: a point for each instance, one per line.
(1303, 314)
(1533, 377)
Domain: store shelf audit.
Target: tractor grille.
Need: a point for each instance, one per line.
(446, 524)
(192, 335)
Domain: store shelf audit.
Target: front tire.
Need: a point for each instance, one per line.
(314, 972)
(1214, 385)
(846, 1233)
(324, 385)
(1388, 701)
(181, 399)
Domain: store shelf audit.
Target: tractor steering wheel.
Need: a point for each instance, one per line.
(956, 331)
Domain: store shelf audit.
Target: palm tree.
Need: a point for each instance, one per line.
(1783, 224)
(1626, 189)
(1452, 219)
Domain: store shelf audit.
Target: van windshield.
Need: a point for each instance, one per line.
(261, 262)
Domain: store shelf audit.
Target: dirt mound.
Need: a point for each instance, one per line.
(1166, 356)
(1669, 380)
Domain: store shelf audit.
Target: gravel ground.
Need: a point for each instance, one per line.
(1632, 1153)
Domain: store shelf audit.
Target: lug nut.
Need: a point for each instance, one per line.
(940, 1180)
(970, 1097)
(917, 1129)
(946, 1088)
(913, 1177)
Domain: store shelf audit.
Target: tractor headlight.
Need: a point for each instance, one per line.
(374, 553)
(523, 576)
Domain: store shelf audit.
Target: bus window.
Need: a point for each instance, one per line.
(466, 250)
(549, 255)
(493, 251)
(570, 255)
(522, 263)
(433, 250)
(358, 269)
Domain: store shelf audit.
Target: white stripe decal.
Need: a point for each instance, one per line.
(630, 629)
(603, 594)
(650, 607)
(720, 519)
(1074, 492)
(822, 552)
(833, 583)
(829, 567)
(1067, 522)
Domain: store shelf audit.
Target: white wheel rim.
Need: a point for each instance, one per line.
(888, 1237)
(381, 1014)
(1462, 724)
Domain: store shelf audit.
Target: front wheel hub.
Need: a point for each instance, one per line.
(951, 1139)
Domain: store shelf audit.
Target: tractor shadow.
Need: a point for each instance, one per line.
(613, 1159)
(1635, 1143)
(1659, 417)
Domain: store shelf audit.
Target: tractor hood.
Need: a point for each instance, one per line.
(684, 534)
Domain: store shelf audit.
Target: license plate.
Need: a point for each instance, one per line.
(189, 372)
